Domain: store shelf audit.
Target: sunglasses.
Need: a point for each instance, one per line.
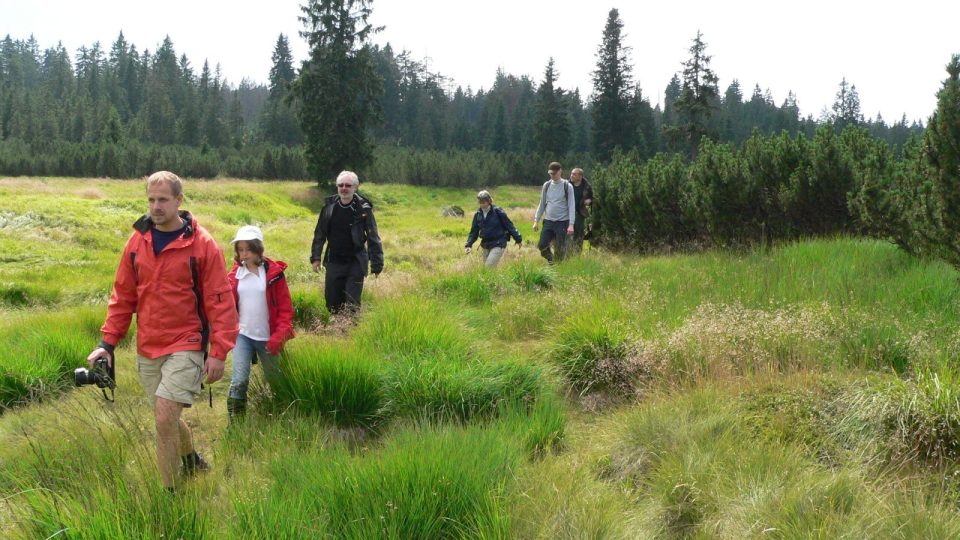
(344, 185)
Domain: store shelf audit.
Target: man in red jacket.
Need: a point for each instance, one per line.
(172, 275)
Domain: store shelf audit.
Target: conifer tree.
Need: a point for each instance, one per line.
(613, 125)
(699, 95)
(278, 122)
(941, 152)
(338, 89)
(846, 106)
(551, 123)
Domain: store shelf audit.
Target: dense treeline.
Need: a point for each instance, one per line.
(782, 187)
(453, 168)
(106, 111)
(131, 158)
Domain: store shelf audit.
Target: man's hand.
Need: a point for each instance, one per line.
(570, 229)
(586, 202)
(317, 265)
(213, 368)
(467, 250)
(99, 352)
(535, 225)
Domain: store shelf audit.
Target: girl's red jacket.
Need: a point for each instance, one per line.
(279, 304)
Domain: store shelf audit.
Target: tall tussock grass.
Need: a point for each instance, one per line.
(423, 482)
(595, 352)
(478, 287)
(913, 420)
(42, 351)
(411, 359)
(93, 475)
(415, 328)
(340, 383)
(309, 309)
(697, 469)
(884, 420)
(532, 275)
(478, 391)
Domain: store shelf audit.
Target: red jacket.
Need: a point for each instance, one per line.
(181, 296)
(279, 304)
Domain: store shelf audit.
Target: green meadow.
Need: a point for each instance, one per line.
(805, 390)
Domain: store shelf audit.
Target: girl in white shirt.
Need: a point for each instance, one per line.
(265, 312)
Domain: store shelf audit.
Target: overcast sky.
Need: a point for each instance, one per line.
(894, 53)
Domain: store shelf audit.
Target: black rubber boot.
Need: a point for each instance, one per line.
(193, 463)
(236, 408)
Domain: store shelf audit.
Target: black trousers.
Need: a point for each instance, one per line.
(556, 232)
(343, 286)
(575, 244)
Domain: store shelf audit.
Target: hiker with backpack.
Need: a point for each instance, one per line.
(494, 229)
(558, 210)
(583, 197)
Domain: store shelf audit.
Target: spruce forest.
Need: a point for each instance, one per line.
(117, 110)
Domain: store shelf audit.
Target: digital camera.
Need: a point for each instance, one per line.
(101, 375)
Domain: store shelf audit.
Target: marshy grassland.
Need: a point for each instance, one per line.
(807, 390)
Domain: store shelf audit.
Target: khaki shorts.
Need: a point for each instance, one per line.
(176, 376)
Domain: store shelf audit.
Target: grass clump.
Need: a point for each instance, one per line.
(19, 295)
(903, 420)
(424, 482)
(92, 474)
(415, 328)
(474, 288)
(43, 350)
(532, 275)
(697, 470)
(423, 389)
(594, 352)
(309, 309)
(340, 383)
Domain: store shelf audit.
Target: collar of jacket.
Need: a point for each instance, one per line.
(357, 203)
(144, 224)
(273, 268)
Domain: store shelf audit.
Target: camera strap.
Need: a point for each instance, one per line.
(112, 398)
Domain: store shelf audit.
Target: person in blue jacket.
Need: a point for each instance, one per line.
(494, 229)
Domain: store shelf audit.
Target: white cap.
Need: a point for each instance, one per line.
(248, 232)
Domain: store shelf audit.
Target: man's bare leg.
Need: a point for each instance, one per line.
(169, 439)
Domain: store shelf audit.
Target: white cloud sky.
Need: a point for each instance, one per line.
(894, 53)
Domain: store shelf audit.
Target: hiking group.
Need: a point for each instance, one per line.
(191, 312)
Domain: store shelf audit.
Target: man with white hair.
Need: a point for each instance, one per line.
(347, 228)
(494, 229)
